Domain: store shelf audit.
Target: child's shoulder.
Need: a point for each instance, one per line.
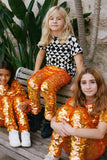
(15, 82)
(70, 101)
(103, 116)
(71, 38)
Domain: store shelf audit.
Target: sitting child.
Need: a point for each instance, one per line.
(13, 108)
(80, 125)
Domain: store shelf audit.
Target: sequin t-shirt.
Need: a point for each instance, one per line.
(102, 116)
(62, 55)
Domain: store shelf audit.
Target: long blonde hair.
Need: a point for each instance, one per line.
(100, 98)
(46, 37)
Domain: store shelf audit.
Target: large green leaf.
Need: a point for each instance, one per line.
(64, 4)
(1, 51)
(18, 8)
(29, 9)
(38, 5)
(1, 29)
(17, 31)
(4, 11)
(34, 30)
(55, 3)
(43, 10)
(23, 36)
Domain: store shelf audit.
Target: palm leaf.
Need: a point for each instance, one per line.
(5, 12)
(18, 8)
(30, 6)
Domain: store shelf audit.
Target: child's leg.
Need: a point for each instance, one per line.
(1, 115)
(9, 121)
(57, 142)
(34, 84)
(95, 149)
(49, 88)
(22, 120)
(55, 146)
(80, 119)
(21, 116)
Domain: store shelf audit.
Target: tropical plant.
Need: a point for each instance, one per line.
(26, 34)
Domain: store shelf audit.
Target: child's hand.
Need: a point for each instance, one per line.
(23, 106)
(67, 127)
(58, 127)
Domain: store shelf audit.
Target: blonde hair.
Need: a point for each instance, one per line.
(100, 98)
(46, 37)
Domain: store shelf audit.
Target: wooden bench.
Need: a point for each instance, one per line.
(39, 146)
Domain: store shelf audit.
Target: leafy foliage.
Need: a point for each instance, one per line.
(26, 34)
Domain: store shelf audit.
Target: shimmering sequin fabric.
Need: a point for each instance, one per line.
(10, 98)
(77, 148)
(48, 80)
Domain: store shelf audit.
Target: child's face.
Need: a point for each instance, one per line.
(88, 85)
(4, 76)
(56, 22)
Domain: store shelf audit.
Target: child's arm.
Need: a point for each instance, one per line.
(39, 60)
(79, 64)
(16, 89)
(64, 129)
(93, 133)
(57, 126)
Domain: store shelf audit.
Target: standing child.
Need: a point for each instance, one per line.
(12, 107)
(63, 55)
(81, 124)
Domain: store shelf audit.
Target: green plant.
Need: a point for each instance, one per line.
(26, 34)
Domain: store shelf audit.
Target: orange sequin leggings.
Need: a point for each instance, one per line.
(77, 148)
(10, 113)
(49, 79)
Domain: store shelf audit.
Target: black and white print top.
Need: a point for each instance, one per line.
(61, 55)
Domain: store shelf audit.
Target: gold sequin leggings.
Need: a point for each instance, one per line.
(10, 113)
(49, 79)
(77, 148)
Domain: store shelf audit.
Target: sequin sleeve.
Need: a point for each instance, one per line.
(16, 88)
(103, 116)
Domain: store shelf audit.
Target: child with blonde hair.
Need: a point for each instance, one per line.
(63, 56)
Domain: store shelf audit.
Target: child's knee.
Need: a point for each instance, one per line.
(64, 112)
(32, 84)
(44, 87)
(81, 118)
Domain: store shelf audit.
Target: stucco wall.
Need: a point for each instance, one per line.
(100, 56)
